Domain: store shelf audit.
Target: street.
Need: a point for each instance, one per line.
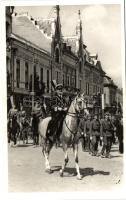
(26, 171)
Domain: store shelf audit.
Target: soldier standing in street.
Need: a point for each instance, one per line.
(87, 133)
(95, 134)
(13, 126)
(107, 134)
(36, 114)
(81, 132)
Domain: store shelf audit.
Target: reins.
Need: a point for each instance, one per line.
(73, 133)
(75, 115)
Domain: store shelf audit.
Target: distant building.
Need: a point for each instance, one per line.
(119, 100)
(110, 90)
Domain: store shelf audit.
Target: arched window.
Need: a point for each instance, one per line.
(26, 75)
(47, 81)
(18, 73)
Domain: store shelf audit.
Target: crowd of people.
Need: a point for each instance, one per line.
(94, 130)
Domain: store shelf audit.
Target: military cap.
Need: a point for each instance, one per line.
(59, 87)
(107, 113)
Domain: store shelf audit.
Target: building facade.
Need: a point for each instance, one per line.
(39, 50)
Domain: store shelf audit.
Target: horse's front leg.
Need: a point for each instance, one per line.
(46, 151)
(75, 150)
(66, 159)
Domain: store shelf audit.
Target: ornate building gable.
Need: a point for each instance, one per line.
(26, 27)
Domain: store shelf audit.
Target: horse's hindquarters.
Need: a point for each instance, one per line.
(43, 125)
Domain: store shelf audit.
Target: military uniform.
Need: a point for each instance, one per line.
(22, 116)
(36, 114)
(12, 113)
(58, 112)
(87, 134)
(13, 126)
(81, 132)
(107, 133)
(119, 134)
(95, 134)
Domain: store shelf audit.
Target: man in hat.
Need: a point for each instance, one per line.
(95, 134)
(107, 129)
(81, 132)
(13, 125)
(87, 128)
(58, 113)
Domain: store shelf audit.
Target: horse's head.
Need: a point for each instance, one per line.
(80, 104)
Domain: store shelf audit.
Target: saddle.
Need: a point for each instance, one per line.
(54, 129)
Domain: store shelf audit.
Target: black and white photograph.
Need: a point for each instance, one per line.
(64, 107)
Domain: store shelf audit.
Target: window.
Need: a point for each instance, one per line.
(68, 80)
(80, 68)
(18, 73)
(7, 29)
(80, 84)
(63, 79)
(41, 74)
(87, 88)
(26, 75)
(47, 80)
(94, 89)
(57, 77)
(73, 81)
(34, 70)
(57, 55)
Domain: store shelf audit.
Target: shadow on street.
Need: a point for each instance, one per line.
(69, 171)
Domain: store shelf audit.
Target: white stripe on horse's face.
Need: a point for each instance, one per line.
(79, 104)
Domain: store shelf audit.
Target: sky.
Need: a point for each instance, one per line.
(101, 31)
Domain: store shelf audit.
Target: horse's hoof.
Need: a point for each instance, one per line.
(49, 171)
(79, 177)
(61, 173)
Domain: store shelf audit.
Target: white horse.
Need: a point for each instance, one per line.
(69, 135)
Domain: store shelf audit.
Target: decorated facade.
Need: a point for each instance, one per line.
(40, 53)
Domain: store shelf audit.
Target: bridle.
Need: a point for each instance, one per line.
(76, 115)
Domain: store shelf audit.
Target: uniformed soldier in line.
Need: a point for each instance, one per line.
(13, 126)
(58, 113)
(95, 134)
(107, 134)
(21, 114)
(36, 114)
(81, 132)
(119, 133)
(87, 133)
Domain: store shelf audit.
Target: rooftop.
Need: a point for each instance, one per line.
(26, 28)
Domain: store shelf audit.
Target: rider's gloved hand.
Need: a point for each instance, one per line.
(60, 109)
(65, 109)
(101, 138)
(55, 109)
(90, 137)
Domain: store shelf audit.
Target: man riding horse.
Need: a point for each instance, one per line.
(58, 112)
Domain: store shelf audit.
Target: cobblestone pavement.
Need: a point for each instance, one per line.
(26, 171)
